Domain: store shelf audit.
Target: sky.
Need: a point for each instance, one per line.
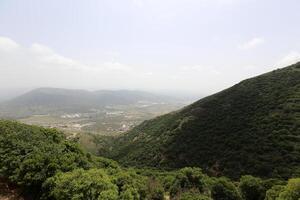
(199, 46)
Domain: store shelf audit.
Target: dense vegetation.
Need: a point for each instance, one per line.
(250, 128)
(29, 155)
(44, 165)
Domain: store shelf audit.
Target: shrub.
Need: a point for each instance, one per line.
(251, 188)
(274, 192)
(80, 185)
(223, 189)
(188, 179)
(291, 191)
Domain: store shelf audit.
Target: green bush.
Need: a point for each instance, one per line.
(291, 191)
(130, 185)
(188, 179)
(155, 190)
(223, 189)
(252, 188)
(81, 185)
(29, 154)
(274, 192)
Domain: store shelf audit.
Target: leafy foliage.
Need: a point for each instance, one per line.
(252, 188)
(30, 154)
(223, 189)
(189, 179)
(46, 165)
(274, 192)
(80, 184)
(291, 191)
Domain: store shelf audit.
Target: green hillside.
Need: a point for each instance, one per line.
(250, 128)
(39, 163)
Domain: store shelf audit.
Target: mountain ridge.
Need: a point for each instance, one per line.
(51, 100)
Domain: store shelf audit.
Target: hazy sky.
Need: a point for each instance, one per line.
(194, 45)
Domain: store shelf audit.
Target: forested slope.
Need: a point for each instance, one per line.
(250, 128)
(39, 163)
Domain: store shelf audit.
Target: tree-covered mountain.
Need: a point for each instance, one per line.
(250, 128)
(53, 100)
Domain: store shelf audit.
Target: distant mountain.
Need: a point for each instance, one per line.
(10, 93)
(52, 100)
(250, 128)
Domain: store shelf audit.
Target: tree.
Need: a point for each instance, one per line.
(188, 178)
(251, 188)
(274, 192)
(131, 186)
(155, 189)
(223, 189)
(291, 191)
(30, 154)
(82, 184)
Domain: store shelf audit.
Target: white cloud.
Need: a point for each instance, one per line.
(47, 55)
(7, 44)
(254, 42)
(289, 59)
(39, 65)
(40, 49)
